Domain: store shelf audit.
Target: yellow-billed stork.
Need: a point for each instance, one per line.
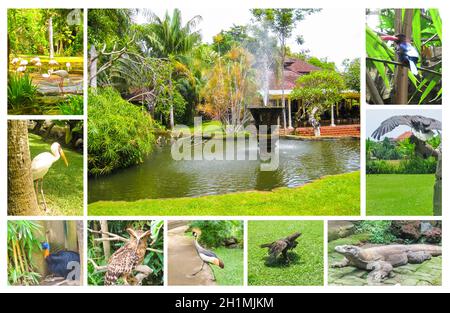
(42, 163)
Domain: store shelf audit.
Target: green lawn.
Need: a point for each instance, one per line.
(307, 260)
(400, 195)
(63, 186)
(233, 273)
(331, 196)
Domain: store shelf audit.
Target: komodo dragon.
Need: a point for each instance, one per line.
(282, 247)
(380, 261)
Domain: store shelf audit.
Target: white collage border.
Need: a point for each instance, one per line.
(443, 5)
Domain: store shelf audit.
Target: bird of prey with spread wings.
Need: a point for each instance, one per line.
(423, 128)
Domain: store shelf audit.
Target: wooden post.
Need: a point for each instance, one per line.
(402, 26)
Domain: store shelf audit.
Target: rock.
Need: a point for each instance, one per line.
(433, 235)
(340, 229)
(407, 230)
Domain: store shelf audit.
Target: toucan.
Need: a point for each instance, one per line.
(407, 53)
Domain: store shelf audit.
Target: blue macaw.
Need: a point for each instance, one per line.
(407, 53)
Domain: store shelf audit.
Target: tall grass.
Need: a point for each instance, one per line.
(21, 90)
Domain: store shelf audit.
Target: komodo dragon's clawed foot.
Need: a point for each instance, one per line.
(379, 272)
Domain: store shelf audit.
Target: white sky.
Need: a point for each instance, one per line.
(376, 117)
(341, 41)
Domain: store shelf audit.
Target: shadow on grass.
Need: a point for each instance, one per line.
(280, 262)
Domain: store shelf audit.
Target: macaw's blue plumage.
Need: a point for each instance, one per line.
(407, 53)
(61, 263)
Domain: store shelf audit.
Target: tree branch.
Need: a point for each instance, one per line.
(114, 237)
(404, 65)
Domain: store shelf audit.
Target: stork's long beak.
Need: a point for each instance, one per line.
(389, 38)
(63, 156)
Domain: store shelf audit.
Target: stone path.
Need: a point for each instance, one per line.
(184, 261)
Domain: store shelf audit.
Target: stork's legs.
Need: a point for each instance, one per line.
(61, 85)
(203, 266)
(42, 193)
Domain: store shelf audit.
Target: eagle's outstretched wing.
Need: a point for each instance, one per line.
(391, 123)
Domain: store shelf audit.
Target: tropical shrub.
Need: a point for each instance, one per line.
(379, 231)
(120, 134)
(73, 105)
(21, 90)
(415, 165)
(214, 233)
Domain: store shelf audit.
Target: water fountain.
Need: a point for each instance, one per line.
(265, 115)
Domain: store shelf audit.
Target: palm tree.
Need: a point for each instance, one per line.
(169, 39)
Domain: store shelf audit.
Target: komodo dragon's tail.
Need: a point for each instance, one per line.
(431, 249)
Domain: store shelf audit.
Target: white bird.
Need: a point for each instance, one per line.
(62, 74)
(35, 60)
(21, 69)
(42, 163)
(53, 62)
(39, 65)
(23, 63)
(15, 61)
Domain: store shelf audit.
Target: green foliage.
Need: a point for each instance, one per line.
(215, 232)
(73, 105)
(413, 166)
(21, 90)
(352, 74)
(28, 32)
(227, 39)
(320, 89)
(153, 259)
(322, 63)
(120, 134)
(380, 231)
(385, 157)
(22, 243)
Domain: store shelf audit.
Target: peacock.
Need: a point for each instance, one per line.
(61, 263)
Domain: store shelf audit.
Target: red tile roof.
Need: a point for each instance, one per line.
(293, 69)
(404, 136)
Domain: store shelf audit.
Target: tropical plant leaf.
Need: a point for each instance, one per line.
(417, 28)
(434, 13)
(427, 91)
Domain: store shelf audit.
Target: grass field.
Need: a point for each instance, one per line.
(233, 274)
(307, 260)
(63, 186)
(337, 195)
(400, 195)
